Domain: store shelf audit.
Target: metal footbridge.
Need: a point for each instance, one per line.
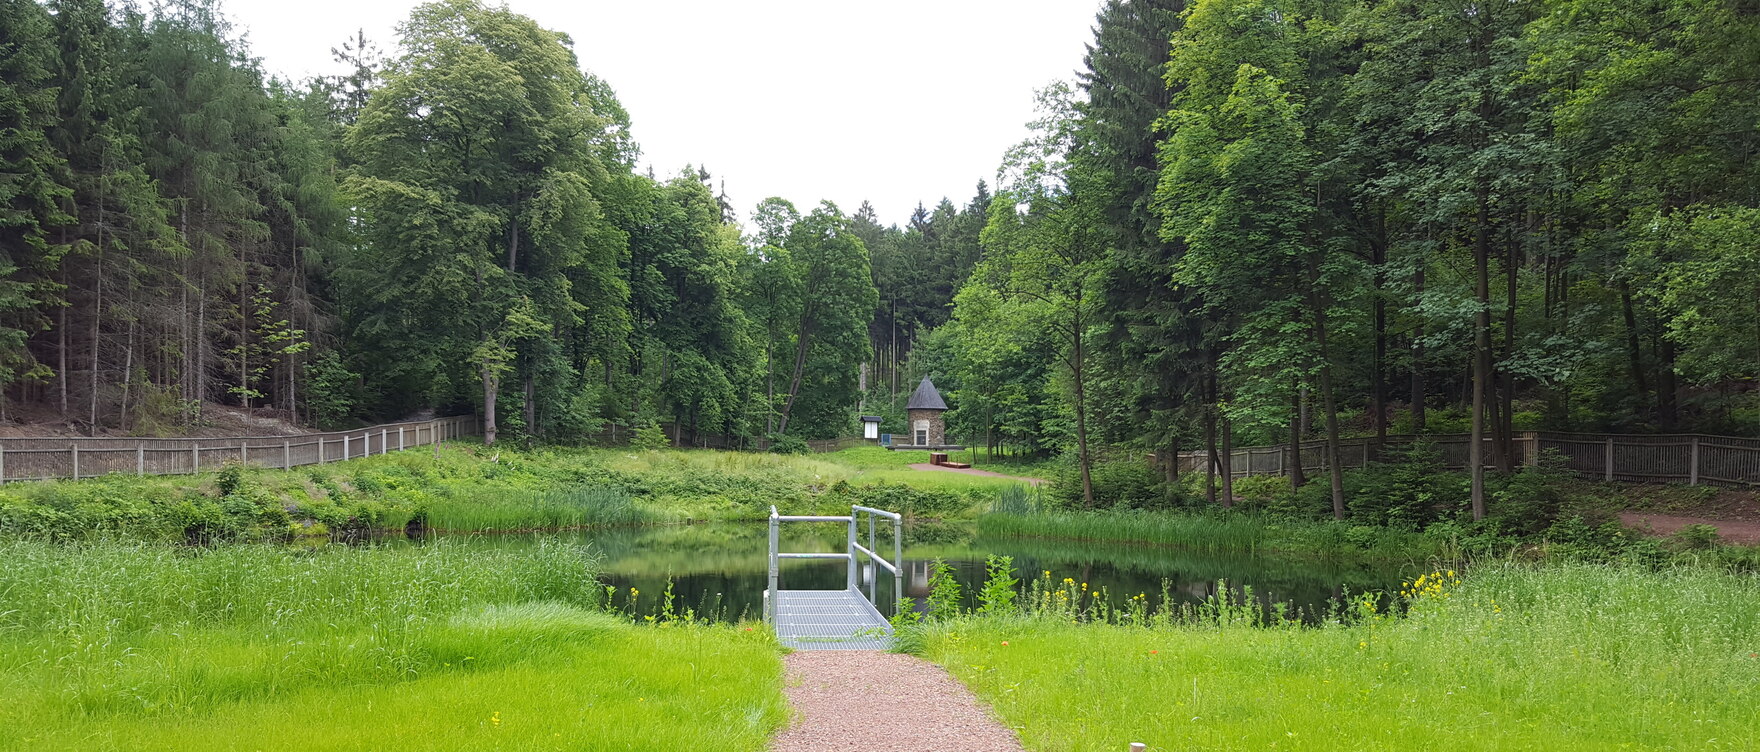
(846, 619)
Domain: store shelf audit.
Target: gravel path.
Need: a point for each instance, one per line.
(975, 471)
(1740, 532)
(883, 702)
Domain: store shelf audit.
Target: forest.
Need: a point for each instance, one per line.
(1240, 221)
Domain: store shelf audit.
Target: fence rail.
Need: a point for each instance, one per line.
(76, 457)
(1696, 459)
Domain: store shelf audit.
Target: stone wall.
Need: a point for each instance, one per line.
(937, 429)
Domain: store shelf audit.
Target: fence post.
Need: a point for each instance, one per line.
(400, 437)
(244, 452)
(75, 448)
(1609, 461)
(195, 457)
(345, 447)
(321, 450)
(770, 594)
(1693, 461)
(1532, 439)
(873, 584)
(384, 446)
(286, 454)
(2, 464)
(140, 459)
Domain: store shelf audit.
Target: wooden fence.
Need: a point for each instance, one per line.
(49, 458)
(1696, 459)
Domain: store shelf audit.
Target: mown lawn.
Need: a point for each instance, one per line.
(1568, 657)
(152, 647)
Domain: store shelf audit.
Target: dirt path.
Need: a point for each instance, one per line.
(883, 702)
(1732, 531)
(975, 471)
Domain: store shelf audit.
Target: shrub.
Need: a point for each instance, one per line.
(910, 501)
(1694, 538)
(650, 438)
(1118, 483)
(1409, 492)
(997, 595)
(789, 444)
(944, 592)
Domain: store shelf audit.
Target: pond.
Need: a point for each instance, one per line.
(718, 569)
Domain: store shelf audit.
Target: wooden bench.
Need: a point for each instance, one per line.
(959, 465)
(937, 458)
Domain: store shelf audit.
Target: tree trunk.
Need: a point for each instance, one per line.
(1634, 351)
(1667, 398)
(201, 344)
(1418, 395)
(1328, 400)
(1297, 476)
(1078, 371)
(97, 323)
(513, 235)
(802, 342)
(1209, 453)
(1378, 379)
(61, 350)
(1227, 462)
(491, 385)
(127, 378)
(1481, 353)
(531, 404)
(1506, 430)
(770, 385)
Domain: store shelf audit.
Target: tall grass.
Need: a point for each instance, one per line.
(146, 646)
(1197, 532)
(1219, 532)
(1563, 657)
(505, 509)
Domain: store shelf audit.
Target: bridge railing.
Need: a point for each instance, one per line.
(850, 555)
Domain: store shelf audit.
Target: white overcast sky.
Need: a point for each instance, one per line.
(892, 101)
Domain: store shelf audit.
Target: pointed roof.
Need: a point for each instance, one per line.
(925, 398)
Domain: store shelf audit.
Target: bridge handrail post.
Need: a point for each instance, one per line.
(898, 568)
(874, 583)
(772, 595)
(850, 569)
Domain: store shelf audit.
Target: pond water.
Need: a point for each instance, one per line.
(718, 569)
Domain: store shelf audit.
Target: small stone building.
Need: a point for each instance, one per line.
(923, 418)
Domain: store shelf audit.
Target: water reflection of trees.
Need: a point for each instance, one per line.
(725, 563)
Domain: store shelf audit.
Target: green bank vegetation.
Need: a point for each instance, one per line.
(139, 646)
(469, 488)
(1568, 656)
(1410, 508)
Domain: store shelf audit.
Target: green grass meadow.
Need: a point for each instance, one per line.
(138, 646)
(1561, 657)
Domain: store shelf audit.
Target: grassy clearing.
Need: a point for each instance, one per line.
(1563, 657)
(142, 646)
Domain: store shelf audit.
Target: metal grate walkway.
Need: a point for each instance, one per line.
(830, 620)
